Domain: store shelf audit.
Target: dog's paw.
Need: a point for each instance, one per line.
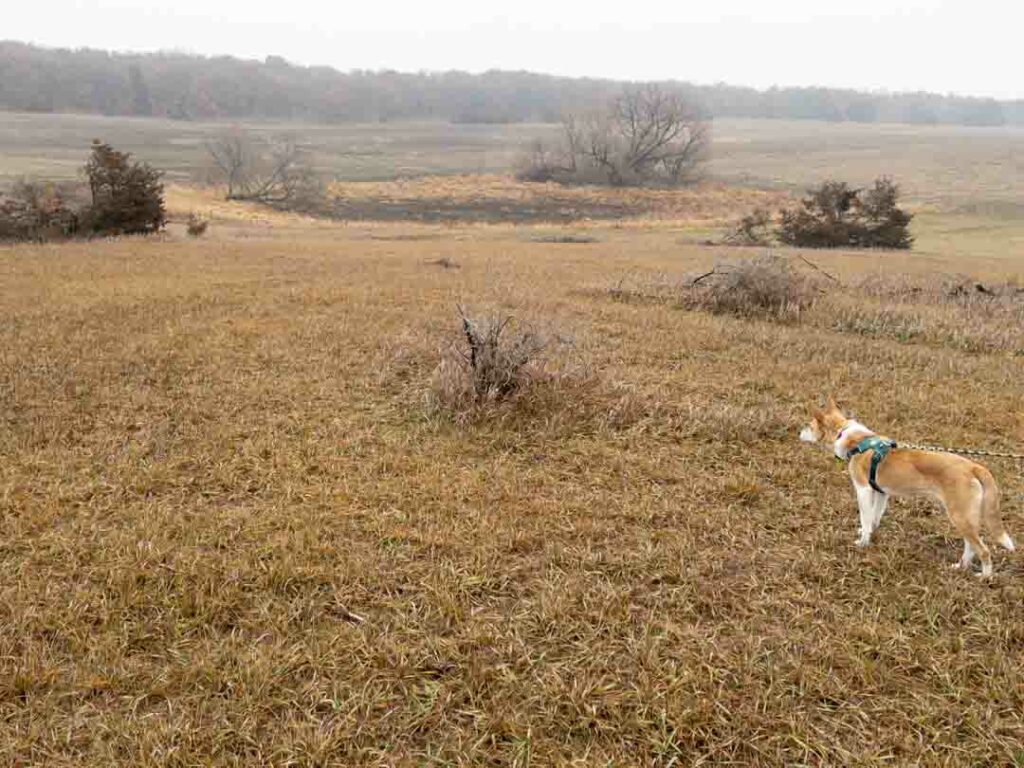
(862, 543)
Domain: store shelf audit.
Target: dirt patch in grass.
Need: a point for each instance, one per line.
(499, 199)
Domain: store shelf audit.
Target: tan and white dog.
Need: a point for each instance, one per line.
(965, 488)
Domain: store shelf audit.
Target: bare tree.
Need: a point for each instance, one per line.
(271, 171)
(233, 156)
(646, 135)
(664, 135)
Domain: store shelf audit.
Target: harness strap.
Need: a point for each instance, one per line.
(880, 448)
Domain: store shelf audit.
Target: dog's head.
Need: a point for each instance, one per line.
(825, 423)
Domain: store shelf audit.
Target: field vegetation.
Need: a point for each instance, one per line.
(260, 506)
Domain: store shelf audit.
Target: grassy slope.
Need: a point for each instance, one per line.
(213, 451)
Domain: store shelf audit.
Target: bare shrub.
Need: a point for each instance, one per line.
(767, 286)
(36, 211)
(497, 360)
(753, 229)
(542, 162)
(196, 225)
(272, 171)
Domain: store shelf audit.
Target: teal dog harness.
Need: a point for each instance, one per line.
(881, 447)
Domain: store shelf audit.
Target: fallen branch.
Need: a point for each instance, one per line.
(345, 613)
(812, 265)
(701, 277)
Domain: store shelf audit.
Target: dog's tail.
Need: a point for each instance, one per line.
(990, 516)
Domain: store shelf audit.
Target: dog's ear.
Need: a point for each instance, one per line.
(817, 415)
(831, 404)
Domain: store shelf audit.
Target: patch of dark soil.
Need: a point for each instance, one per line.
(490, 211)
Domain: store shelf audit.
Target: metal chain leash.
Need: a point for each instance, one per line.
(963, 451)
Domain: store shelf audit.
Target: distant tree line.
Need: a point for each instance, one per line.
(188, 87)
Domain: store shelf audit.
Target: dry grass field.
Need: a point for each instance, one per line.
(236, 532)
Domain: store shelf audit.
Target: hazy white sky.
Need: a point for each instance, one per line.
(962, 46)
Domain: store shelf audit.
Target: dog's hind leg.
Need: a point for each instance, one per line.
(966, 559)
(963, 503)
(974, 541)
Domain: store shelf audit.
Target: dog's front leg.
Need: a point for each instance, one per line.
(866, 504)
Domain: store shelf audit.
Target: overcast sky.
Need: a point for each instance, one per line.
(961, 46)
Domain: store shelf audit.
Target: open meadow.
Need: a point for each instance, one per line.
(237, 528)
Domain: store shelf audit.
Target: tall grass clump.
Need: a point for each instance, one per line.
(196, 225)
(497, 359)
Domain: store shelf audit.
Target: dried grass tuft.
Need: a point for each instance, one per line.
(496, 360)
(768, 286)
(196, 225)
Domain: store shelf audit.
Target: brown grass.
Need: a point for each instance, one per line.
(233, 535)
(939, 309)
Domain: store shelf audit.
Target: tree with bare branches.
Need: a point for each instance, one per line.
(646, 135)
(271, 171)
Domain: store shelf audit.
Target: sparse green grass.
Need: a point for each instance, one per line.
(215, 460)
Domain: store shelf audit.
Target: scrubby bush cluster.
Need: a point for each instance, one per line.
(753, 229)
(768, 286)
(125, 197)
(498, 360)
(196, 225)
(833, 215)
(37, 212)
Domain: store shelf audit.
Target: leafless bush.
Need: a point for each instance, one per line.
(768, 286)
(497, 360)
(543, 162)
(272, 171)
(753, 229)
(36, 211)
(197, 225)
